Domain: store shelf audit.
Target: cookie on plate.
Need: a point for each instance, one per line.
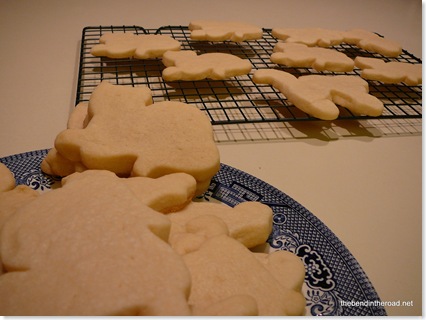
(79, 117)
(138, 46)
(12, 197)
(213, 284)
(165, 194)
(229, 279)
(90, 248)
(130, 137)
(7, 180)
(249, 222)
(215, 30)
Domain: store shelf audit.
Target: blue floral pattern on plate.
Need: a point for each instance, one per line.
(332, 273)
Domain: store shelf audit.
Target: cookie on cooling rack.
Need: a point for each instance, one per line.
(128, 45)
(188, 66)
(318, 95)
(389, 72)
(310, 36)
(300, 55)
(215, 30)
(327, 37)
(372, 42)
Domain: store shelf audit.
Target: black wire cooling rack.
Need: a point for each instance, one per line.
(238, 100)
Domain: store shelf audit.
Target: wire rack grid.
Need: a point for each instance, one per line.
(237, 100)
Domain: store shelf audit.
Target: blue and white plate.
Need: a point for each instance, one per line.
(335, 283)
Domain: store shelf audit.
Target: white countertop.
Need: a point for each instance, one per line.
(362, 179)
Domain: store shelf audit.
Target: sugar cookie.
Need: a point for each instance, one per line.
(372, 42)
(7, 180)
(285, 267)
(310, 36)
(227, 278)
(318, 95)
(187, 65)
(90, 248)
(213, 30)
(300, 55)
(55, 163)
(10, 201)
(78, 118)
(389, 72)
(248, 222)
(165, 194)
(233, 306)
(222, 268)
(326, 37)
(11, 197)
(141, 46)
(130, 138)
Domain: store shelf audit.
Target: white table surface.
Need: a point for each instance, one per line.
(362, 179)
